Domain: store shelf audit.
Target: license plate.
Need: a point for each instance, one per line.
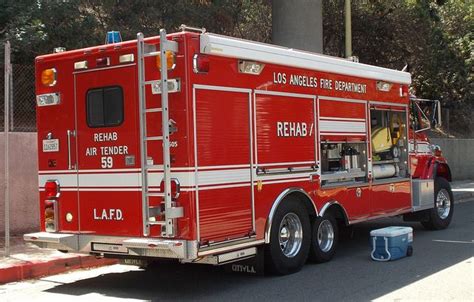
(51, 145)
(112, 248)
(137, 262)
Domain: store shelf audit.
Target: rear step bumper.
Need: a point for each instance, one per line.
(148, 247)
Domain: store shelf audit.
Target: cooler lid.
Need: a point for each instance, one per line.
(392, 231)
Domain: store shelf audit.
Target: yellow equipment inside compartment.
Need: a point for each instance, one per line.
(381, 139)
(397, 127)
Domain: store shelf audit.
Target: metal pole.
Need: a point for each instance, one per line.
(447, 120)
(348, 26)
(6, 129)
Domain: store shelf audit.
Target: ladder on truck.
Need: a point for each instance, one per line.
(171, 213)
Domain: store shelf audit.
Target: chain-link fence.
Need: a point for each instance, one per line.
(22, 106)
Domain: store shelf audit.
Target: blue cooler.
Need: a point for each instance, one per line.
(391, 243)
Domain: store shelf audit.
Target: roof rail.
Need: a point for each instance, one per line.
(184, 27)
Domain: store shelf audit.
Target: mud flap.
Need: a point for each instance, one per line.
(252, 266)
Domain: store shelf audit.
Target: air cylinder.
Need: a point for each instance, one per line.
(384, 171)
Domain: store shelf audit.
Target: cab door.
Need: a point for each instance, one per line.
(108, 157)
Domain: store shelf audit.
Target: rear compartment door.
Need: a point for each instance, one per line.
(108, 151)
(223, 163)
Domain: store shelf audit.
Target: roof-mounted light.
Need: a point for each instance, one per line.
(59, 49)
(384, 86)
(128, 58)
(113, 37)
(80, 65)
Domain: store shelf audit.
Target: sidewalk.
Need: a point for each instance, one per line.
(463, 189)
(28, 261)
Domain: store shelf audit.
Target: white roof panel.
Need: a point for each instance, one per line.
(249, 50)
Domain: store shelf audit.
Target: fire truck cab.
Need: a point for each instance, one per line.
(208, 149)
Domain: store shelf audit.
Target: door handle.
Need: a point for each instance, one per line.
(70, 133)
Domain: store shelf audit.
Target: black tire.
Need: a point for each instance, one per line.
(437, 218)
(322, 247)
(276, 261)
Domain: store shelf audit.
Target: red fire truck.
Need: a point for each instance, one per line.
(206, 149)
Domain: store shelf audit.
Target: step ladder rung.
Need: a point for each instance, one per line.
(154, 138)
(157, 222)
(151, 54)
(151, 82)
(153, 110)
(159, 167)
(155, 194)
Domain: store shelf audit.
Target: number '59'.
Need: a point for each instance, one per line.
(106, 162)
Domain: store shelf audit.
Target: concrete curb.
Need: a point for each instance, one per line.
(460, 197)
(34, 269)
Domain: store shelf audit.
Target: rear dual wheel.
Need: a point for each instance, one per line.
(290, 238)
(324, 239)
(293, 238)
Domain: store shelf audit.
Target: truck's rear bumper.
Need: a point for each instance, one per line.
(149, 247)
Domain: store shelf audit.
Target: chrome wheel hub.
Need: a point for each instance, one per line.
(325, 236)
(290, 235)
(443, 203)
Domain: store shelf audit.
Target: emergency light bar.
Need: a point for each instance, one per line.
(113, 37)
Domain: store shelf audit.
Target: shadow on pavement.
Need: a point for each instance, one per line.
(351, 275)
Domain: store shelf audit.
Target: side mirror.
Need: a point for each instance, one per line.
(436, 114)
(430, 112)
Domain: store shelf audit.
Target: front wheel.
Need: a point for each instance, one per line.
(439, 217)
(324, 239)
(289, 238)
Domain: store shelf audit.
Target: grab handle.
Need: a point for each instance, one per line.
(70, 133)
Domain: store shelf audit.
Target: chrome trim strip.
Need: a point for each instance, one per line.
(230, 248)
(327, 205)
(277, 202)
(137, 246)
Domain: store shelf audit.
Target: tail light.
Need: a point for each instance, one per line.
(200, 64)
(52, 190)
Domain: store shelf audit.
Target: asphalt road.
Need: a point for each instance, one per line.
(441, 268)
